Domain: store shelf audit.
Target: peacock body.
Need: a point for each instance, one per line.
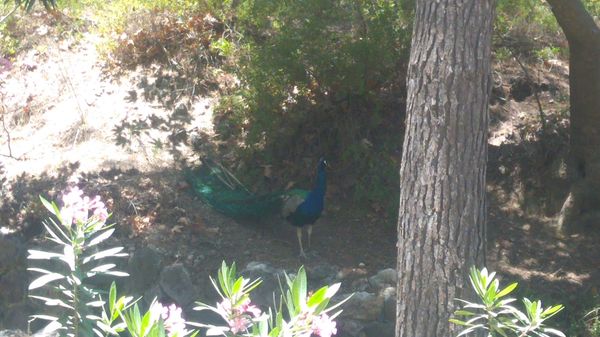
(216, 186)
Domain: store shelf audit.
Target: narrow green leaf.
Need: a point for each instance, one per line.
(42, 255)
(44, 279)
(507, 290)
(112, 300)
(101, 237)
(316, 298)
(457, 322)
(112, 252)
(549, 312)
(463, 313)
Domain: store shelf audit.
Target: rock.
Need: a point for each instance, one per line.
(12, 254)
(384, 277)
(389, 304)
(378, 329)
(13, 286)
(153, 293)
(362, 306)
(263, 295)
(16, 316)
(144, 269)
(176, 282)
(322, 274)
(348, 327)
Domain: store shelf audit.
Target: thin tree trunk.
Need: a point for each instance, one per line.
(582, 207)
(441, 224)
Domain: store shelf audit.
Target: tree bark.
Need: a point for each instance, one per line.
(441, 223)
(582, 207)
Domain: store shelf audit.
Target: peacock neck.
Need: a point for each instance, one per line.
(321, 182)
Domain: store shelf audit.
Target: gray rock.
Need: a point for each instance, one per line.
(263, 295)
(12, 254)
(348, 327)
(363, 306)
(389, 304)
(385, 277)
(144, 269)
(322, 274)
(378, 329)
(176, 282)
(13, 286)
(16, 316)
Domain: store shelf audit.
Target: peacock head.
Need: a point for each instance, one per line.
(322, 164)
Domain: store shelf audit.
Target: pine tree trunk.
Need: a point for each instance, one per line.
(441, 224)
(582, 207)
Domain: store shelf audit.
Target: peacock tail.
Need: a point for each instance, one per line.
(219, 188)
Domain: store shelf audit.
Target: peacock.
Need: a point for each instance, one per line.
(219, 188)
(303, 208)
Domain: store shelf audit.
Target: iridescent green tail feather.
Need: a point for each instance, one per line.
(220, 189)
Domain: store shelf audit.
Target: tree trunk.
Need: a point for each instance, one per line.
(441, 223)
(583, 204)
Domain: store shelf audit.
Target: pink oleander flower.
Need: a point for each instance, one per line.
(174, 323)
(239, 317)
(239, 324)
(77, 207)
(323, 326)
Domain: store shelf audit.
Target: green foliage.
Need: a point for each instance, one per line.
(317, 77)
(494, 313)
(592, 322)
(306, 313)
(66, 277)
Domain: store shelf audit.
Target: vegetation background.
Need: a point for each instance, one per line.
(296, 80)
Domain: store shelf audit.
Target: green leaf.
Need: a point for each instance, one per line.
(53, 302)
(299, 289)
(458, 322)
(237, 286)
(112, 301)
(48, 205)
(316, 298)
(103, 236)
(45, 279)
(463, 313)
(112, 252)
(553, 332)
(507, 290)
(42, 255)
(551, 311)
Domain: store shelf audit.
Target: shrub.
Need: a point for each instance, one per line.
(318, 78)
(494, 313)
(81, 224)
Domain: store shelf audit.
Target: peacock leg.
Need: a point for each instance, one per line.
(299, 235)
(309, 230)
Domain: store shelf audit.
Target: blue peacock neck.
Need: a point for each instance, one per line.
(321, 181)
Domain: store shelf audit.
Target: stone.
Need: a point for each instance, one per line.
(144, 269)
(16, 316)
(12, 254)
(13, 286)
(263, 295)
(378, 329)
(389, 304)
(384, 277)
(362, 306)
(348, 327)
(177, 284)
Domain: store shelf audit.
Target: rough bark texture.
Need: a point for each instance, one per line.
(441, 224)
(583, 204)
